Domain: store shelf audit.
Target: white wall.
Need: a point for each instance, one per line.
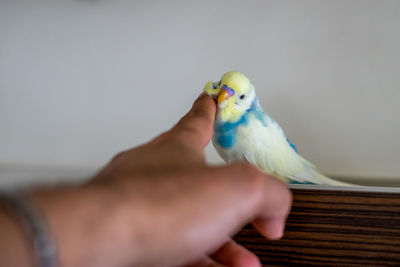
(80, 80)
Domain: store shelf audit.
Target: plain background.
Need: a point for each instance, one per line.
(81, 80)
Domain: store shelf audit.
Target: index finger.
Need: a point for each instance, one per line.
(224, 199)
(267, 200)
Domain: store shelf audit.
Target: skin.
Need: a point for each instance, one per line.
(158, 204)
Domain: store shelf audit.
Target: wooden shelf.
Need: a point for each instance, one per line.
(334, 228)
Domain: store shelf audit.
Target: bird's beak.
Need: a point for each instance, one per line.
(225, 93)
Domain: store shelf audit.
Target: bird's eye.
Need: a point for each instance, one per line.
(215, 86)
(242, 96)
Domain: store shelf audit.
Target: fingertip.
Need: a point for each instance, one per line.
(250, 260)
(272, 196)
(234, 254)
(271, 228)
(204, 102)
(196, 127)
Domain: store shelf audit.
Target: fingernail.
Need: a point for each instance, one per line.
(275, 228)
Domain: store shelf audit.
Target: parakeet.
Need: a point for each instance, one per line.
(244, 132)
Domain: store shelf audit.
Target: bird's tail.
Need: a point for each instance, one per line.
(310, 175)
(322, 179)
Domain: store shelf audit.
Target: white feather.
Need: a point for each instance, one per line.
(266, 146)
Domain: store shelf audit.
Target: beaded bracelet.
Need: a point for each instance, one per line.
(35, 225)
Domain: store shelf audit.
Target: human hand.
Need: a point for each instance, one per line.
(160, 204)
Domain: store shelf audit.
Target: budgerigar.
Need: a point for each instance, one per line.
(244, 132)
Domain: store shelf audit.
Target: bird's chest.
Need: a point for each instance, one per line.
(233, 140)
(230, 134)
(226, 133)
(244, 140)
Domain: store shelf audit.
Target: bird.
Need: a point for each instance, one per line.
(244, 132)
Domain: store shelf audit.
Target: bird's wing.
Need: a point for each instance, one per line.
(267, 147)
(312, 175)
(270, 150)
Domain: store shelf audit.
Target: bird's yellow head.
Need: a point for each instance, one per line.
(235, 95)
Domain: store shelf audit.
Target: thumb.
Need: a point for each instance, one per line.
(196, 127)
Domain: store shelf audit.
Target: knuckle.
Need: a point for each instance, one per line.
(187, 124)
(260, 183)
(180, 136)
(200, 112)
(248, 171)
(187, 131)
(188, 128)
(252, 177)
(278, 190)
(288, 197)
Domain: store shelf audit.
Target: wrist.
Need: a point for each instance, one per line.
(15, 246)
(87, 223)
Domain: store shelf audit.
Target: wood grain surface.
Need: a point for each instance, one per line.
(334, 228)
